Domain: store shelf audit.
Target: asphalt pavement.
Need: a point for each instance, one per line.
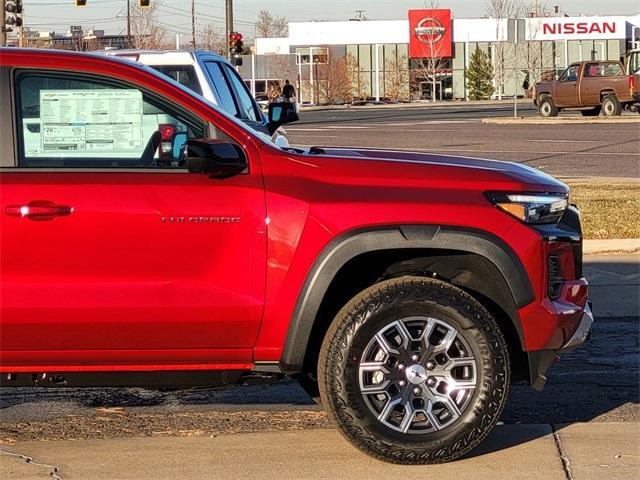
(592, 151)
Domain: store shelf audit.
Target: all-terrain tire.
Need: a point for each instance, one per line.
(546, 107)
(380, 305)
(611, 106)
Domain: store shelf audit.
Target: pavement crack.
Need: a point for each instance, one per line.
(566, 463)
(53, 470)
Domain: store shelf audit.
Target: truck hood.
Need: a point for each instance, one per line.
(485, 168)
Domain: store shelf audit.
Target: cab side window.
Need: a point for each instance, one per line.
(570, 74)
(71, 121)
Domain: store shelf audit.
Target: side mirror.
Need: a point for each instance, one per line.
(556, 77)
(215, 158)
(281, 113)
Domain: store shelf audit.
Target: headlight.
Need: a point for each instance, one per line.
(532, 208)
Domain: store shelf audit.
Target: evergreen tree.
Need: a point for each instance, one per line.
(479, 76)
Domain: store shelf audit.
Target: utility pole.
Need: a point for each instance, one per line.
(3, 26)
(129, 22)
(21, 28)
(193, 23)
(229, 29)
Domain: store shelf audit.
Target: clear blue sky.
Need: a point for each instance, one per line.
(109, 15)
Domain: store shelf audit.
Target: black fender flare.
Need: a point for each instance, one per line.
(351, 244)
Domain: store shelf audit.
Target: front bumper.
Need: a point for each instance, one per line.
(541, 360)
(583, 332)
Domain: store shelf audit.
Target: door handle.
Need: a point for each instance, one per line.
(38, 210)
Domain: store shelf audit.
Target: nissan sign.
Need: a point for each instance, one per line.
(585, 28)
(430, 33)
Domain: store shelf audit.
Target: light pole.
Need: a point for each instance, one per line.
(3, 26)
(229, 23)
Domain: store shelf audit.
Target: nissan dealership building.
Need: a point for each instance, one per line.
(545, 45)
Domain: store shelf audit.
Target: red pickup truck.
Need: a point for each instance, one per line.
(593, 87)
(150, 238)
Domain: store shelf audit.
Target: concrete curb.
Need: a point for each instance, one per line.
(622, 245)
(559, 120)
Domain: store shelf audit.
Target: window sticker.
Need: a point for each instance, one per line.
(90, 123)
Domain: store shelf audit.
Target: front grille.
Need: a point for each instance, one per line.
(555, 277)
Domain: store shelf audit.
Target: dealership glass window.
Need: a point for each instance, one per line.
(575, 52)
(352, 50)
(320, 55)
(92, 122)
(614, 49)
(364, 54)
(402, 50)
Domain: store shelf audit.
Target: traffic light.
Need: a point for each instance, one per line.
(145, 3)
(235, 39)
(14, 18)
(81, 3)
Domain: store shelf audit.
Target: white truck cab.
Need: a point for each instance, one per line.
(213, 77)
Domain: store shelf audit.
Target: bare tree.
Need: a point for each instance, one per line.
(356, 76)
(146, 31)
(396, 78)
(269, 26)
(431, 67)
(86, 44)
(535, 57)
(282, 67)
(334, 82)
(212, 38)
(503, 59)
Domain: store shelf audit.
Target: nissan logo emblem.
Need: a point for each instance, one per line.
(429, 30)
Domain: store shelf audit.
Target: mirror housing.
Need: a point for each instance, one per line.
(281, 113)
(215, 158)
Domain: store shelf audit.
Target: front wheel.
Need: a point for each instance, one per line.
(414, 370)
(546, 107)
(611, 106)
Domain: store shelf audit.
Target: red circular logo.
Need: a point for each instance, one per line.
(429, 30)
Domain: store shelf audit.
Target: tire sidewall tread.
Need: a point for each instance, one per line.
(342, 398)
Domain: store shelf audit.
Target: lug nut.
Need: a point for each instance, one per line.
(416, 391)
(400, 366)
(430, 365)
(415, 358)
(431, 381)
(402, 383)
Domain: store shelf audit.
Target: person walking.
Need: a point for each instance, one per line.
(288, 92)
(274, 92)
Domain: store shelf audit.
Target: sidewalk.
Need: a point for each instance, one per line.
(580, 451)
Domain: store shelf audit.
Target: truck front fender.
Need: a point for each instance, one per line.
(349, 245)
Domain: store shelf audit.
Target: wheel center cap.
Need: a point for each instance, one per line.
(416, 374)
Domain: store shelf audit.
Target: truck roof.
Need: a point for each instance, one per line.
(164, 57)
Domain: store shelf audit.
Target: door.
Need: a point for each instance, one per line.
(111, 252)
(427, 90)
(566, 89)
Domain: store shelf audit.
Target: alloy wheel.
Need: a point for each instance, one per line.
(417, 375)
